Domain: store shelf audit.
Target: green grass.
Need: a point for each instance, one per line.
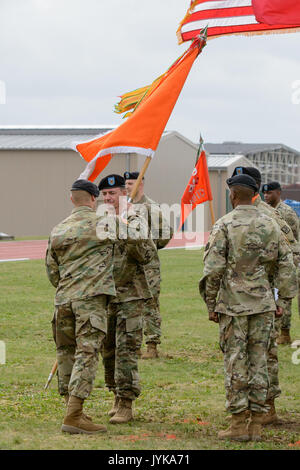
(182, 405)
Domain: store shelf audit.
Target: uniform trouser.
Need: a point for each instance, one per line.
(274, 389)
(286, 318)
(79, 330)
(152, 320)
(245, 341)
(119, 349)
(299, 291)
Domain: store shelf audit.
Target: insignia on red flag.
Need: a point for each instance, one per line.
(198, 189)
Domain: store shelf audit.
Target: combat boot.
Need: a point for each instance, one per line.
(284, 337)
(237, 430)
(124, 412)
(66, 397)
(248, 414)
(270, 417)
(255, 426)
(151, 352)
(113, 411)
(76, 423)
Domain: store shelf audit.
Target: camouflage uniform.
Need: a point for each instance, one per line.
(274, 389)
(124, 325)
(292, 219)
(80, 266)
(245, 251)
(151, 311)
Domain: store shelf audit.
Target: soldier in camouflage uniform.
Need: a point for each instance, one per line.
(272, 195)
(156, 222)
(245, 251)
(80, 266)
(274, 389)
(124, 329)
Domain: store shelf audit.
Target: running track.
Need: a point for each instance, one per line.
(36, 249)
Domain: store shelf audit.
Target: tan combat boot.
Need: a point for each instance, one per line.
(255, 426)
(114, 409)
(284, 337)
(248, 414)
(237, 430)
(76, 423)
(151, 352)
(270, 417)
(124, 412)
(66, 397)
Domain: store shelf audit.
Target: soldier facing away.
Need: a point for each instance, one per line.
(245, 251)
(272, 195)
(156, 222)
(124, 329)
(274, 388)
(80, 266)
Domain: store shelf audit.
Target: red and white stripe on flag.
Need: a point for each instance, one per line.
(223, 17)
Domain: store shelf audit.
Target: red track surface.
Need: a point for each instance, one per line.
(31, 249)
(36, 249)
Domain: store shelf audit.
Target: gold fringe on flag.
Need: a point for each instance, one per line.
(131, 100)
(258, 33)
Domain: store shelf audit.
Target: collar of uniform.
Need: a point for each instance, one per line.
(143, 200)
(245, 206)
(256, 200)
(82, 208)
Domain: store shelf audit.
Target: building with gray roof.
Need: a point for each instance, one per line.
(276, 162)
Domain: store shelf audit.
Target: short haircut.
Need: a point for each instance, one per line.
(80, 197)
(243, 193)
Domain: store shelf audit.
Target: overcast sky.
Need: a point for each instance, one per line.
(64, 62)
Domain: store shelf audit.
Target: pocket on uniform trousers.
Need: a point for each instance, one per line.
(53, 323)
(225, 326)
(98, 323)
(134, 324)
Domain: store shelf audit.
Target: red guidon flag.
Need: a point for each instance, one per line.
(248, 17)
(198, 189)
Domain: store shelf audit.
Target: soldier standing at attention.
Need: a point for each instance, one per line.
(263, 207)
(272, 195)
(124, 327)
(161, 234)
(244, 252)
(80, 266)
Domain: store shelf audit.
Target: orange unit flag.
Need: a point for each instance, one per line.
(198, 189)
(142, 131)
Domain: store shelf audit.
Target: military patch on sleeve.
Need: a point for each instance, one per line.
(286, 229)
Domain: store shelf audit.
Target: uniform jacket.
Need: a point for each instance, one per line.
(78, 263)
(245, 251)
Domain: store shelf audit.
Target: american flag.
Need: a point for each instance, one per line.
(225, 17)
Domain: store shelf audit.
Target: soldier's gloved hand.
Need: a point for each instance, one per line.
(279, 312)
(213, 316)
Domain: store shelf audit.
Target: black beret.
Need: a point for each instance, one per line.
(242, 180)
(271, 186)
(85, 185)
(112, 181)
(133, 175)
(251, 171)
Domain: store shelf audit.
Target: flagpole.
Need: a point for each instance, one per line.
(212, 214)
(211, 207)
(139, 180)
